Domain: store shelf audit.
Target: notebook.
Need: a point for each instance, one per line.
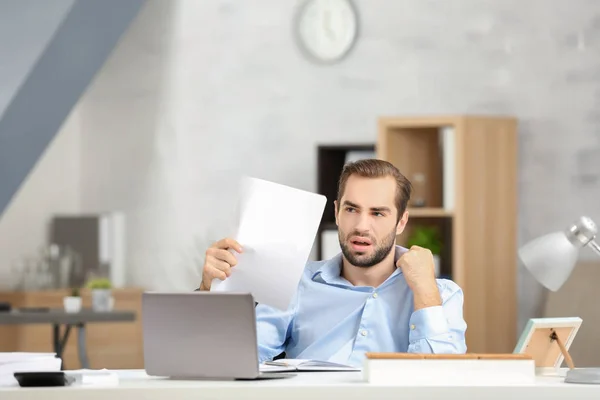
(298, 365)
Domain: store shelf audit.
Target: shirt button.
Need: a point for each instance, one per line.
(412, 326)
(364, 333)
(375, 295)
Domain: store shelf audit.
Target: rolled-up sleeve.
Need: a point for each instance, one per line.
(440, 329)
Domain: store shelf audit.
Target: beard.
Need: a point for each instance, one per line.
(361, 259)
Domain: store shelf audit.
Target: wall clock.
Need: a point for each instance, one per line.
(326, 30)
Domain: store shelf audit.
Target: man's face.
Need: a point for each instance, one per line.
(366, 219)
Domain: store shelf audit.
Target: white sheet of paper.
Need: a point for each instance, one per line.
(277, 228)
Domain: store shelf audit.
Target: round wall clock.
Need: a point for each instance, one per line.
(326, 30)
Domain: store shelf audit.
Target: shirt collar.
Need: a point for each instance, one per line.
(330, 271)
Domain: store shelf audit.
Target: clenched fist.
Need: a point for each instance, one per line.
(219, 261)
(419, 272)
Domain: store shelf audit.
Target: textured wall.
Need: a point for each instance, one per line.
(77, 50)
(200, 91)
(20, 48)
(48, 55)
(52, 187)
(52, 184)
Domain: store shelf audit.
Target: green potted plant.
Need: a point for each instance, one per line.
(72, 303)
(102, 299)
(427, 237)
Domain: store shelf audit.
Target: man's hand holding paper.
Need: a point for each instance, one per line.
(219, 261)
(277, 229)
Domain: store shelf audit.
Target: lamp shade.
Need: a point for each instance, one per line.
(550, 259)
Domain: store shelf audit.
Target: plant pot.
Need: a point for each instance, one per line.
(102, 300)
(72, 304)
(437, 265)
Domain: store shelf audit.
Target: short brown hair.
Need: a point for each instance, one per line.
(374, 168)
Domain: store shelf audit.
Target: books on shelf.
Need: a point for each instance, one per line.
(449, 369)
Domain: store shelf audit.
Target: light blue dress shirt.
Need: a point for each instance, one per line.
(332, 320)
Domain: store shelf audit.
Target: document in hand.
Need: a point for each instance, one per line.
(288, 365)
(277, 229)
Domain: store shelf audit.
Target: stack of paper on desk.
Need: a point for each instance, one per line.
(277, 228)
(26, 362)
(449, 369)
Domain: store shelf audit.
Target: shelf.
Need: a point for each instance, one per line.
(464, 173)
(420, 121)
(428, 212)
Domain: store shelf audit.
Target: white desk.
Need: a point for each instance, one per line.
(134, 384)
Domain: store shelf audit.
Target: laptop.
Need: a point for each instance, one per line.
(201, 335)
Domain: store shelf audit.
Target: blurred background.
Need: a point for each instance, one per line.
(125, 125)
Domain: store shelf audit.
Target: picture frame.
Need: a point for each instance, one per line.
(542, 338)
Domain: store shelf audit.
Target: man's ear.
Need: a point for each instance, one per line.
(335, 207)
(402, 223)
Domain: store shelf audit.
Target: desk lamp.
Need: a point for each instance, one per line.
(551, 258)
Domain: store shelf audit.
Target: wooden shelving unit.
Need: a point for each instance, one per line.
(464, 172)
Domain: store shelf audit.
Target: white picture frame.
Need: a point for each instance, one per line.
(535, 340)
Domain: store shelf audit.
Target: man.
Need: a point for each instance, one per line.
(373, 297)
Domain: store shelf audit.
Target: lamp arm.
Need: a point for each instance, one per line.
(594, 246)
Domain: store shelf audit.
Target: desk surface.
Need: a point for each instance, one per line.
(59, 316)
(135, 384)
